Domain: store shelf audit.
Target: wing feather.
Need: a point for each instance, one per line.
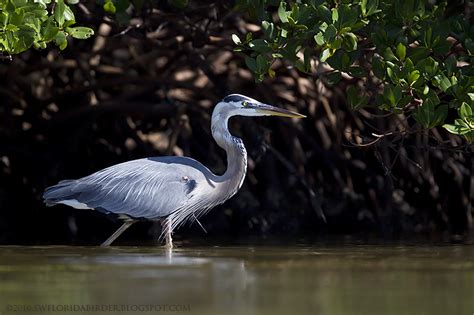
(146, 188)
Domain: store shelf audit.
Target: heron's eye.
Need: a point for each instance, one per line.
(245, 103)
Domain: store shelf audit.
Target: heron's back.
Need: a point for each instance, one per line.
(148, 188)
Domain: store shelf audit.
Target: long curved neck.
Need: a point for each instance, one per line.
(234, 175)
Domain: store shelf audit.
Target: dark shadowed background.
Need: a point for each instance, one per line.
(148, 88)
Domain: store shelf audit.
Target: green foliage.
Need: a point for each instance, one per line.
(464, 125)
(410, 56)
(28, 23)
(118, 8)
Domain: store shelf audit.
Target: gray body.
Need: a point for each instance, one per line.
(170, 189)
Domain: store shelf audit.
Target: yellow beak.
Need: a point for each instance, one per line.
(269, 110)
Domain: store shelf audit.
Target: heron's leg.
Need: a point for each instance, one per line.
(166, 224)
(117, 233)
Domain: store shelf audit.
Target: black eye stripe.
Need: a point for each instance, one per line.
(234, 98)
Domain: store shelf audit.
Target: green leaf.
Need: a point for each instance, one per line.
(456, 129)
(19, 3)
(49, 30)
(61, 40)
(33, 22)
(330, 33)
(16, 17)
(323, 12)
(432, 97)
(262, 64)
(461, 122)
(451, 63)
(426, 89)
(442, 48)
(39, 45)
(378, 67)
(300, 66)
(271, 73)
(236, 40)
(248, 37)
(260, 45)
(68, 15)
(429, 116)
(69, 23)
(325, 54)
(413, 77)
(291, 20)
(251, 63)
(465, 111)
(347, 16)
(3, 19)
(409, 64)
(268, 30)
(442, 82)
(344, 30)
(392, 75)
(109, 7)
(372, 7)
(59, 9)
(363, 7)
(350, 42)
(282, 12)
(12, 28)
(300, 27)
(392, 94)
(336, 43)
(427, 36)
(388, 54)
(26, 38)
(44, 2)
(441, 113)
(401, 51)
(334, 15)
(80, 32)
(419, 53)
(319, 39)
(428, 67)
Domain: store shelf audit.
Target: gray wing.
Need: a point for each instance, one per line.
(146, 188)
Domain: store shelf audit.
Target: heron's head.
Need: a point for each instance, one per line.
(236, 104)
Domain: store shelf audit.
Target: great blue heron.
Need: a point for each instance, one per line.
(169, 189)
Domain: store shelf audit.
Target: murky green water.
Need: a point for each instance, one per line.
(238, 280)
